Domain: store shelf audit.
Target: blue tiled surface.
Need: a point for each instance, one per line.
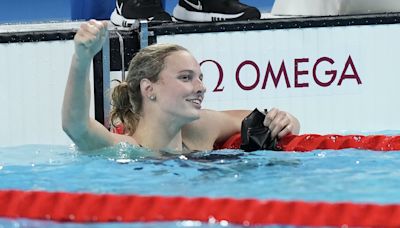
(20, 11)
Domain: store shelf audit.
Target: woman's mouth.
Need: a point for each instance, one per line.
(196, 102)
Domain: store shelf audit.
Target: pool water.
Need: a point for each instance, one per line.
(321, 175)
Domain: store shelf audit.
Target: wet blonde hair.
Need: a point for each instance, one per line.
(126, 98)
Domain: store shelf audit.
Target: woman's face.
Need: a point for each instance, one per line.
(180, 89)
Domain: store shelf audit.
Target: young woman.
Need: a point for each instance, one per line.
(159, 104)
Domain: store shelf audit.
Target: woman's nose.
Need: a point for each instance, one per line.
(199, 86)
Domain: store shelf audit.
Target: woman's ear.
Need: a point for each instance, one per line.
(147, 88)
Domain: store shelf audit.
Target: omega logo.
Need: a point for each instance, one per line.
(301, 77)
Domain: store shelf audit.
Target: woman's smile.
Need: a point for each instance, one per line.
(196, 102)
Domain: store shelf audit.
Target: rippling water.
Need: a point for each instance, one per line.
(327, 175)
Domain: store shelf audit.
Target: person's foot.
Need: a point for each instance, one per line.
(214, 10)
(127, 12)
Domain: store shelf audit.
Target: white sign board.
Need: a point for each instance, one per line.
(334, 79)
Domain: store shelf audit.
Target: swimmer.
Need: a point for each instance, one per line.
(159, 104)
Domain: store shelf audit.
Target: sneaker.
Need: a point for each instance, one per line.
(127, 12)
(214, 10)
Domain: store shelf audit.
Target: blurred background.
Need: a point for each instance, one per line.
(27, 11)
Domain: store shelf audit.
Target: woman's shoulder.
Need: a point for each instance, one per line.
(207, 120)
(202, 133)
(121, 138)
(214, 126)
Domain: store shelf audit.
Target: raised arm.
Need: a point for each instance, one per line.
(84, 131)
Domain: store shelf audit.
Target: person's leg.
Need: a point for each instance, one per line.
(214, 10)
(127, 12)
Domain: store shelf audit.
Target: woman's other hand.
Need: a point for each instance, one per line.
(281, 123)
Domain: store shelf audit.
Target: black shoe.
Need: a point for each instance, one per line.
(127, 12)
(214, 10)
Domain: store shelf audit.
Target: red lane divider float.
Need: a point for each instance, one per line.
(309, 142)
(87, 208)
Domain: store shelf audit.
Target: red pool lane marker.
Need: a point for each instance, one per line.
(89, 208)
(309, 142)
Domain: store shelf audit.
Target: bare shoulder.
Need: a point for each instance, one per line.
(205, 122)
(118, 138)
(213, 127)
(202, 133)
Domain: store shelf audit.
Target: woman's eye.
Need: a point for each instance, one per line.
(185, 77)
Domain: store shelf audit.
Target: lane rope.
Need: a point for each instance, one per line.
(309, 142)
(89, 208)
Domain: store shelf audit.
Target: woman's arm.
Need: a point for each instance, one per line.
(84, 131)
(218, 126)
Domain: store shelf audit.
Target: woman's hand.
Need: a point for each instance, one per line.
(89, 39)
(281, 123)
